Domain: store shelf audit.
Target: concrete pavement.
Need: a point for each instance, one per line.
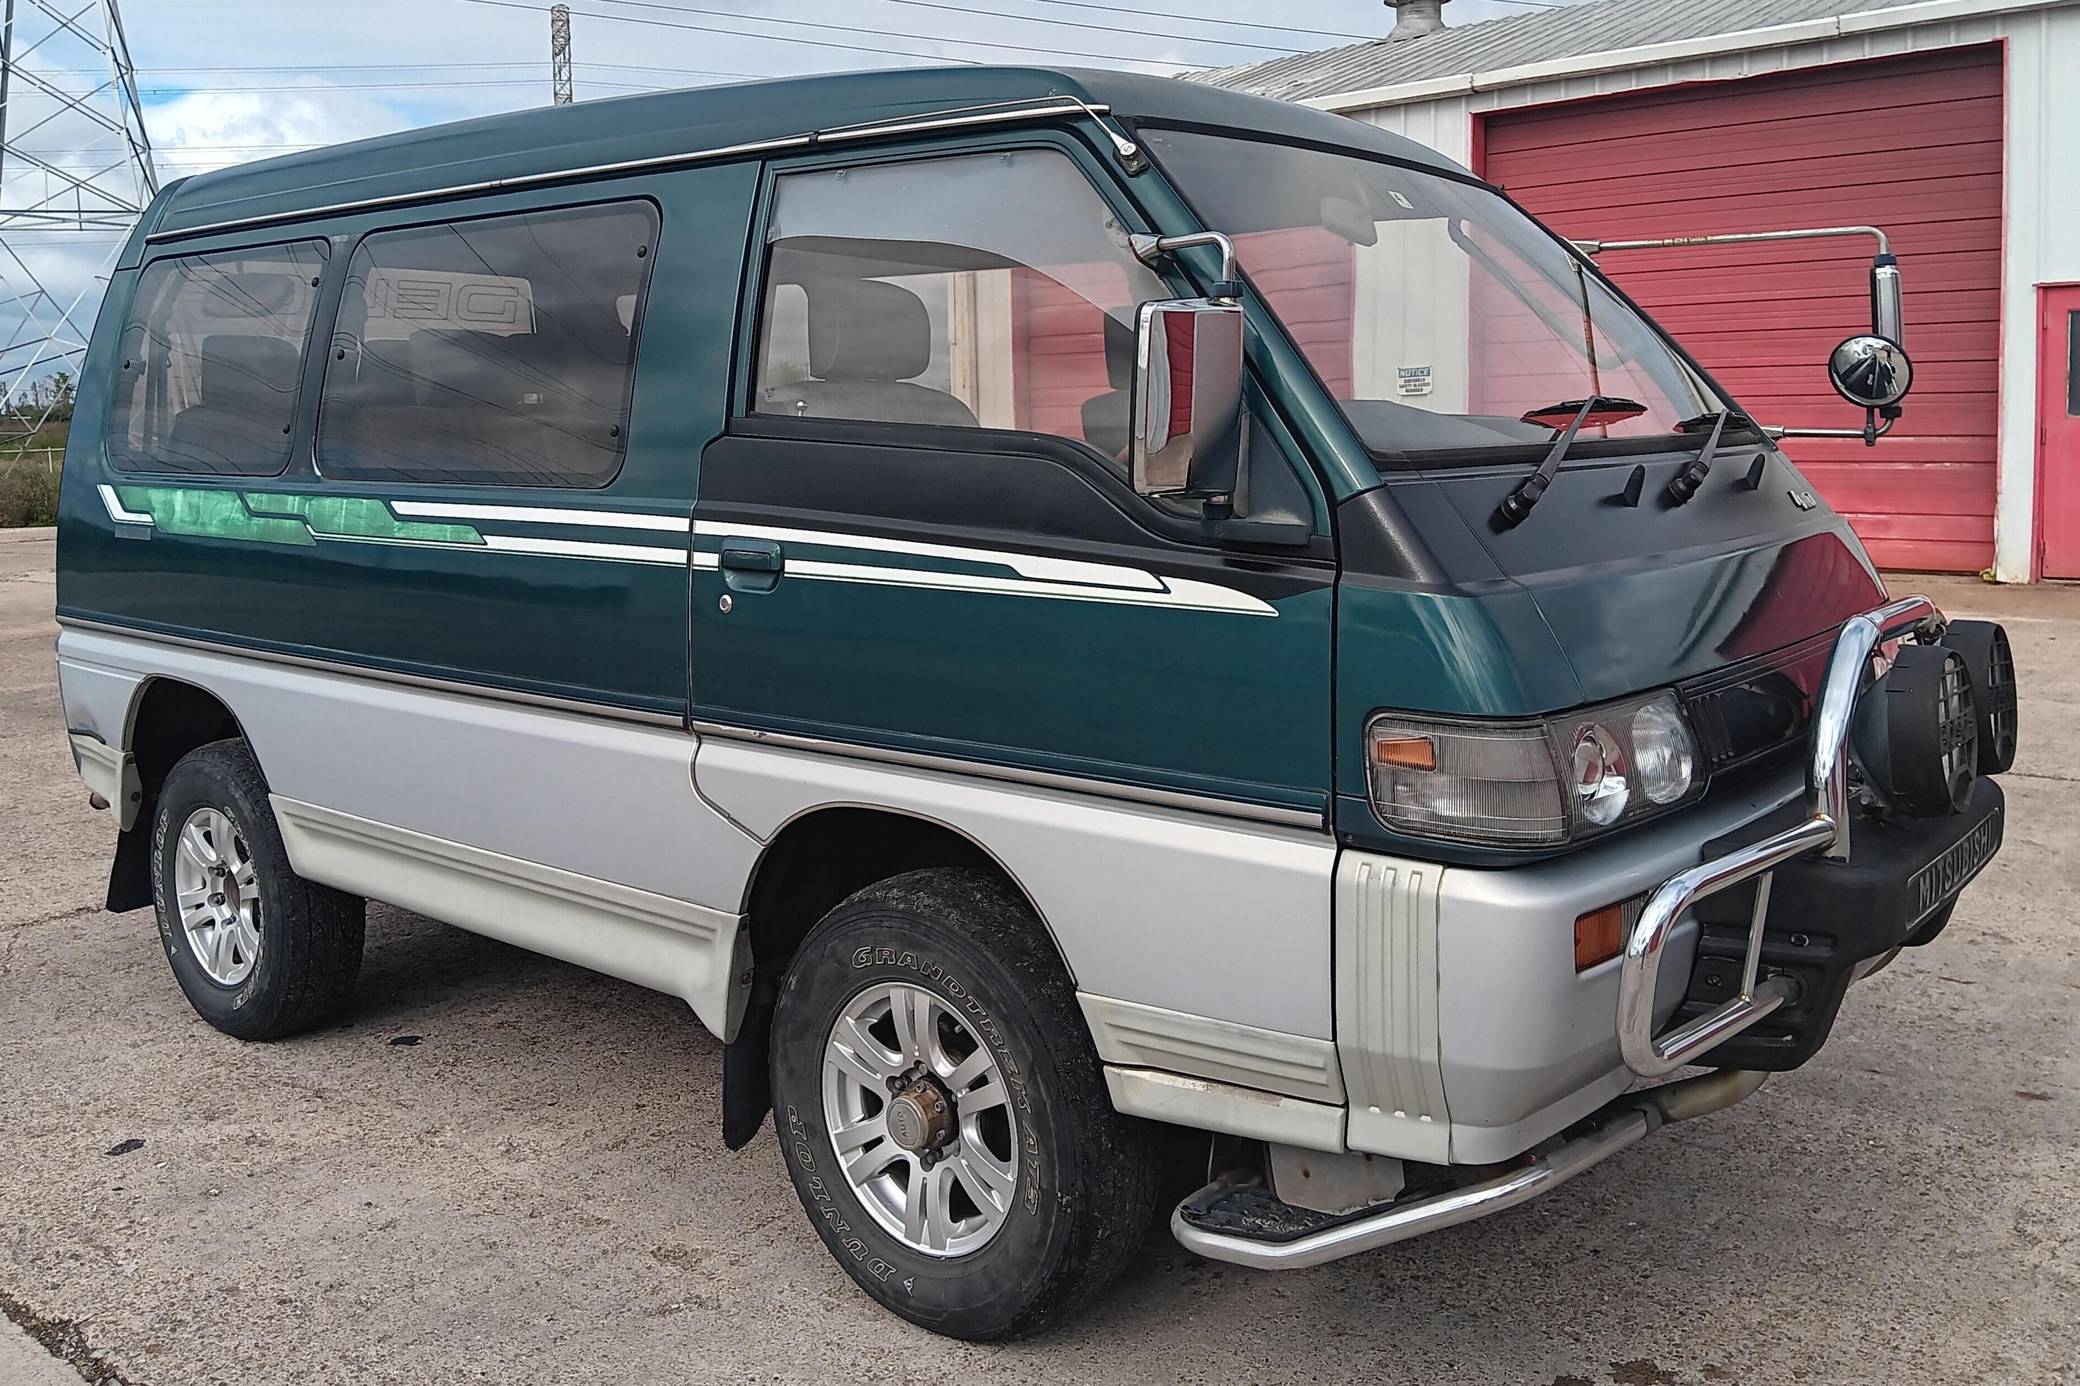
(502, 1169)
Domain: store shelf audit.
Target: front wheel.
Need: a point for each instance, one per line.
(944, 1116)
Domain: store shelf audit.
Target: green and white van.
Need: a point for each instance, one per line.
(1080, 621)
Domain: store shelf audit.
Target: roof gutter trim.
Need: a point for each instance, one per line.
(1038, 108)
(1676, 50)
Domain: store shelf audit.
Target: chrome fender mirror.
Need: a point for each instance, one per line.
(1187, 402)
(1870, 371)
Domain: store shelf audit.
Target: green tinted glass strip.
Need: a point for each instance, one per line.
(211, 514)
(360, 517)
(283, 519)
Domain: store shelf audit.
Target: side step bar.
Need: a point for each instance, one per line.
(1628, 1120)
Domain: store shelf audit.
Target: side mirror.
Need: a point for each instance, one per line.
(1888, 305)
(1186, 407)
(1871, 371)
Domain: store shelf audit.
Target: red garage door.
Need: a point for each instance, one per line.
(1912, 146)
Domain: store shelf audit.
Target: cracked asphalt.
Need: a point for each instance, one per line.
(502, 1169)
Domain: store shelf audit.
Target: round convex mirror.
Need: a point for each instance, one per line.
(1870, 371)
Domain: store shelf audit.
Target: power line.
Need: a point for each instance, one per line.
(880, 51)
(1202, 19)
(385, 86)
(1065, 23)
(422, 67)
(321, 68)
(733, 33)
(890, 33)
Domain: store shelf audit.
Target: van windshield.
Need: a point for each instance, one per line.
(1449, 325)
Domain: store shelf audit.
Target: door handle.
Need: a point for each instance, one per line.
(751, 565)
(743, 556)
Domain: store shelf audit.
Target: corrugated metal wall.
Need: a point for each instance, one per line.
(1913, 145)
(1057, 328)
(2042, 46)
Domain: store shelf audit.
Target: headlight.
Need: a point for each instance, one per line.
(1662, 756)
(1529, 783)
(1596, 775)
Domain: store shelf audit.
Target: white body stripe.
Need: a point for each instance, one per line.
(579, 548)
(1180, 594)
(1031, 575)
(543, 515)
(1024, 564)
(1059, 579)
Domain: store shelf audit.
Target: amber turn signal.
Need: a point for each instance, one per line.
(1598, 936)
(1405, 752)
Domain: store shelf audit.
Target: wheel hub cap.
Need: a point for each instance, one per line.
(216, 891)
(920, 1118)
(922, 1122)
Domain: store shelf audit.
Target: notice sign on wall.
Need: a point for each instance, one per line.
(1411, 380)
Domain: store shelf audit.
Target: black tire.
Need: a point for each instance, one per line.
(309, 954)
(1087, 1177)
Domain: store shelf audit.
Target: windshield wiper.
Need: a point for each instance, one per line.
(1735, 419)
(1517, 504)
(1683, 485)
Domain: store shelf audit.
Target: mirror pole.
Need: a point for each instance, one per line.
(1149, 249)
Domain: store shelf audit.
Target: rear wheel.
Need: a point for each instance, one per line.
(943, 1114)
(258, 951)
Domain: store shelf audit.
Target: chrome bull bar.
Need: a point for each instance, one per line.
(1825, 828)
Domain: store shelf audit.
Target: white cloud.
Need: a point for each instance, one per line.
(206, 129)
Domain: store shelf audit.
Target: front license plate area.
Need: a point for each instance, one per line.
(1938, 883)
(1825, 917)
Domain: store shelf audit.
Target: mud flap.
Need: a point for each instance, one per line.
(747, 1091)
(130, 876)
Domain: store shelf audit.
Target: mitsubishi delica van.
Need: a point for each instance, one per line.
(1080, 621)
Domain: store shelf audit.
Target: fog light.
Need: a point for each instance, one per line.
(1984, 645)
(1917, 734)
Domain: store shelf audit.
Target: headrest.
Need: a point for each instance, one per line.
(862, 329)
(1119, 350)
(234, 366)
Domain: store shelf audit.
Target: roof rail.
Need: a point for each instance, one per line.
(957, 117)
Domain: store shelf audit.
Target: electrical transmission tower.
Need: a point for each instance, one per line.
(76, 170)
(560, 54)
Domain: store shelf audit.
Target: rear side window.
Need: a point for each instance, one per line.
(498, 351)
(210, 361)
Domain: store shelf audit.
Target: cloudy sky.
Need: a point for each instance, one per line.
(229, 81)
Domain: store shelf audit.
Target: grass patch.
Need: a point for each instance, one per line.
(28, 481)
(29, 494)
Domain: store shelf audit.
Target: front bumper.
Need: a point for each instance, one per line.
(1823, 827)
(1829, 922)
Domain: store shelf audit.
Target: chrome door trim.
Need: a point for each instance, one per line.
(603, 711)
(1018, 774)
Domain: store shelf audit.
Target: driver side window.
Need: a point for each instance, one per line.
(977, 291)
